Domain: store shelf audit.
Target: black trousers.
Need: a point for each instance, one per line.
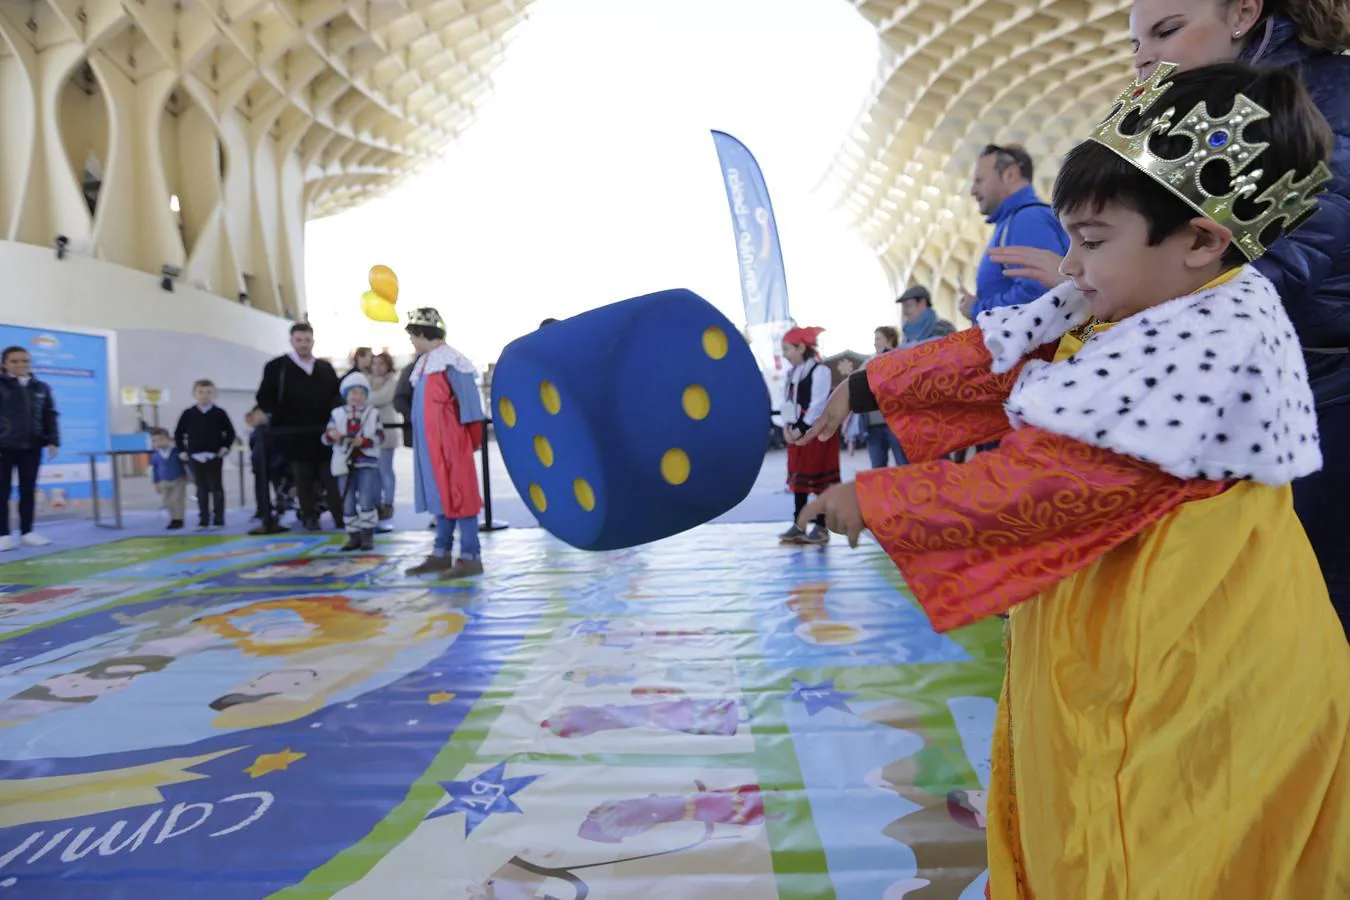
(800, 501)
(308, 473)
(210, 480)
(27, 463)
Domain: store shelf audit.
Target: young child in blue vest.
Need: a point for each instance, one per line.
(356, 436)
(170, 476)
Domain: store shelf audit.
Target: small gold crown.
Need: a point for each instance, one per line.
(427, 317)
(1212, 138)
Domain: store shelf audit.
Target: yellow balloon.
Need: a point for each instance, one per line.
(377, 308)
(384, 282)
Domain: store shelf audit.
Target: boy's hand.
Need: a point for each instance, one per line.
(791, 435)
(837, 412)
(224, 452)
(334, 435)
(1041, 266)
(184, 457)
(842, 513)
(51, 451)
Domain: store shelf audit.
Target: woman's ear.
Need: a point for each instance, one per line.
(1209, 242)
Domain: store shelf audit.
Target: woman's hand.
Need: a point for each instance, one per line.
(842, 513)
(837, 412)
(51, 452)
(1041, 266)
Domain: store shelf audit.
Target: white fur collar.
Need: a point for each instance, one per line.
(1209, 386)
(439, 360)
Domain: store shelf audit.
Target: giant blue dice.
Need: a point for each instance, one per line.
(632, 422)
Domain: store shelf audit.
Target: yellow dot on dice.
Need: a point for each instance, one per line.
(506, 411)
(675, 466)
(715, 342)
(585, 495)
(549, 396)
(696, 402)
(537, 497)
(543, 449)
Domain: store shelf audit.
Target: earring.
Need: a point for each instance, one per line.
(1237, 35)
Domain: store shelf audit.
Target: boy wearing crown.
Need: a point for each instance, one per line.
(1175, 717)
(447, 417)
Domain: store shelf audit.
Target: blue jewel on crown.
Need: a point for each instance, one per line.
(1218, 139)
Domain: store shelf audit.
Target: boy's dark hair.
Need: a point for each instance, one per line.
(891, 335)
(302, 327)
(160, 432)
(1093, 176)
(426, 332)
(203, 382)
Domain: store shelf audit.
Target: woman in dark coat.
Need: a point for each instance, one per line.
(28, 426)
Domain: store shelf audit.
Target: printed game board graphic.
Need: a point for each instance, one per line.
(877, 796)
(818, 623)
(31, 606)
(628, 686)
(218, 557)
(585, 833)
(245, 719)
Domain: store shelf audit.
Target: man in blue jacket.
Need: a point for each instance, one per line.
(1002, 187)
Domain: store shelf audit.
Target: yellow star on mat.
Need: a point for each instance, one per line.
(440, 697)
(273, 762)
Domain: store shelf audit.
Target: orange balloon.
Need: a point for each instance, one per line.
(384, 282)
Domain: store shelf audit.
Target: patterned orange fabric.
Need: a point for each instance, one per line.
(940, 397)
(973, 540)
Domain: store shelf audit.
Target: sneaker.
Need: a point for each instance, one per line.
(7, 543)
(175, 525)
(354, 543)
(465, 568)
(818, 534)
(218, 524)
(793, 535)
(202, 526)
(432, 565)
(33, 539)
(311, 525)
(262, 530)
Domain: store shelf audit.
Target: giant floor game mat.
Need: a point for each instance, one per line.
(707, 717)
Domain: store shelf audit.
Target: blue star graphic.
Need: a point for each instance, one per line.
(819, 697)
(487, 794)
(590, 626)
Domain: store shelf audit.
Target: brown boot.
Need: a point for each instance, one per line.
(386, 513)
(432, 565)
(465, 568)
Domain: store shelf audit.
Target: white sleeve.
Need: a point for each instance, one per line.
(820, 394)
(787, 404)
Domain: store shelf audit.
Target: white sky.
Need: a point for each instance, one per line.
(590, 176)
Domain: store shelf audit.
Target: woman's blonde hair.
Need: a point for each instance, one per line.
(1323, 24)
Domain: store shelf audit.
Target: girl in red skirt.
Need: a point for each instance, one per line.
(815, 466)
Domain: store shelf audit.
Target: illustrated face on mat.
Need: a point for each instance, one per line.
(71, 690)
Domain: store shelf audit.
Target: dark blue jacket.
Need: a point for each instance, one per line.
(167, 468)
(1022, 220)
(27, 415)
(1311, 267)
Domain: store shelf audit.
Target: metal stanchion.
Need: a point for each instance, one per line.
(488, 523)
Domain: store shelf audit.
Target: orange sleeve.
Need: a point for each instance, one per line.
(973, 540)
(941, 396)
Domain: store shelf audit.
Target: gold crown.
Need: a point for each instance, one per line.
(1212, 138)
(427, 317)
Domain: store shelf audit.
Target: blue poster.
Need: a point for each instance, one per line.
(77, 366)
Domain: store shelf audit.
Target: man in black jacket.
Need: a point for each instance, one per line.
(27, 425)
(298, 393)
